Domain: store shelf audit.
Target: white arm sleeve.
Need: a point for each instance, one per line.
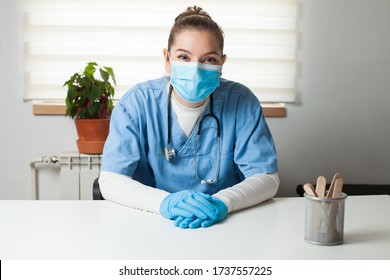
(124, 190)
(253, 190)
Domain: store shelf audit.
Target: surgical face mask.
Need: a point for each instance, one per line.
(194, 81)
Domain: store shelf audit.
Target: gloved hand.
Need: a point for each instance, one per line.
(188, 204)
(194, 222)
(222, 212)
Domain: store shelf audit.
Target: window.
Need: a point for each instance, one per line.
(60, 37)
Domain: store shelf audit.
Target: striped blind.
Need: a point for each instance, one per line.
(60, 37)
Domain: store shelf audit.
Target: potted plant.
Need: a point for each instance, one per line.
(89, 102)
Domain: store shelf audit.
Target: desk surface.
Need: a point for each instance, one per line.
(104, 230)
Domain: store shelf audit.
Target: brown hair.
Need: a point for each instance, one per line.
(195, 18)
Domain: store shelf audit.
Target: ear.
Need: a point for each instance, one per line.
(224, 58)
(167, 61)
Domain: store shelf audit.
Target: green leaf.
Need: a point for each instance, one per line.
(105, 75)
(71, 94)
(92, 111)
(71, 80)
(111, 90)
(90, 69)
(86, 82)
(94, 93)
(110, 71)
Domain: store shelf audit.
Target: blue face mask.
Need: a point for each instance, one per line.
(194, 81)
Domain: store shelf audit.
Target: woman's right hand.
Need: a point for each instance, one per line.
(188, 204)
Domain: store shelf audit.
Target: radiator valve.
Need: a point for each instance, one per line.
(49, 160)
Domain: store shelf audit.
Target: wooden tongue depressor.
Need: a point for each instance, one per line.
(333, 230)
(330, 192)
(338, 187)
(309, 189)
(321, 186)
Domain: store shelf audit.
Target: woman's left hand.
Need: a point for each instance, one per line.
(194, 222)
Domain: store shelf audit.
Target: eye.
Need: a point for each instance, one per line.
(183, 57)
(210, 60)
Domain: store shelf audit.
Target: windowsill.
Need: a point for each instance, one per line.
(47, 108)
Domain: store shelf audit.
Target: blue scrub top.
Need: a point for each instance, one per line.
(138, 135)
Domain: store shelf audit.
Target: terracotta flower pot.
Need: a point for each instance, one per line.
(92, 135)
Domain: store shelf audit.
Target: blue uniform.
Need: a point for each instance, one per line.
(139, 132)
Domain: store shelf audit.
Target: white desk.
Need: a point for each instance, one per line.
(104, 230)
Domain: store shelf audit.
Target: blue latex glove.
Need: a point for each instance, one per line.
(182, 222)
(222, 212)
(194, 222)
(188, 204)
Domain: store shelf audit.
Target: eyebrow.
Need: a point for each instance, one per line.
(183, 50)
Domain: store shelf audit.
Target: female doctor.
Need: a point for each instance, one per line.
(191, 145)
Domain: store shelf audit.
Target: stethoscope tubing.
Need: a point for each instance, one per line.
(169, 152)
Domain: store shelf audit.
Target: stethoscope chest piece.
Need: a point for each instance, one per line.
(169, 153)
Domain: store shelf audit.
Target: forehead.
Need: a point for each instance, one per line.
(196, 42)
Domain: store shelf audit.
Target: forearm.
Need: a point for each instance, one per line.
(253, 190)
(126, 191)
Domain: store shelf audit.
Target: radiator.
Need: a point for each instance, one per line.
(78, 171)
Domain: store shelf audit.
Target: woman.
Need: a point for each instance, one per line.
(190, 146)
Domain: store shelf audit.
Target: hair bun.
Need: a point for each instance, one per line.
(192, 11)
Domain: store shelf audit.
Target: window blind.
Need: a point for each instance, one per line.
(60, 37)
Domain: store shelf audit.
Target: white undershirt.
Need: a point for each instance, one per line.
(187, 117)
(126, 191)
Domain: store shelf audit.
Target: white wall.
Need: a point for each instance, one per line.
(340, 123)
(24, 136)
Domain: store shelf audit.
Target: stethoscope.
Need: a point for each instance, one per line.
(170, 152)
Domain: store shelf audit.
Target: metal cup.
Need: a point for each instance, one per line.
(324, 219)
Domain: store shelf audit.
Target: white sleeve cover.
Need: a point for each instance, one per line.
(126, 191)
(253, 190)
